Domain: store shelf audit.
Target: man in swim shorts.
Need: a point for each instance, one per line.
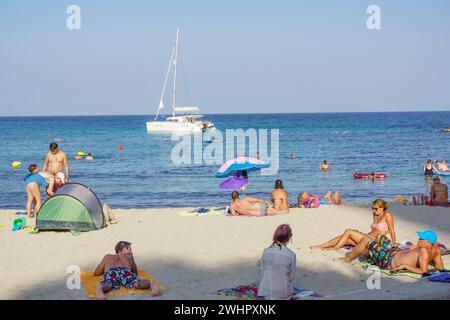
(249, 206)
(439, 192)
(384, 254)
(120, 270)
(55, 160)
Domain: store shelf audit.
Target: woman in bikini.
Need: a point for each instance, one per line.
(383, 223)
(279, 198)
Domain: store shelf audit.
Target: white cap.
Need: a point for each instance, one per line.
(61, 176)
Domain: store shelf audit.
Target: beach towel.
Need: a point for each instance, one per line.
(366, 265)
(250, 292)
(441, 277)
(90, 282)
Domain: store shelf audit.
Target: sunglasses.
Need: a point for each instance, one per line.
(376, 208)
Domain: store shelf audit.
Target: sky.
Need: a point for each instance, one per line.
(238, 56)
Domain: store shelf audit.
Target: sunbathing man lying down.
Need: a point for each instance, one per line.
(384, 254)
(250, 206)
(120, 269)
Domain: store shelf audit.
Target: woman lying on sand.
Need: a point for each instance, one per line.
(278, 266)
(383, 223)
(306, 199)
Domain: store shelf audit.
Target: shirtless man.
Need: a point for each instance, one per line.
(55, 160)
(279, 197)
(249, 206)
(439, 192)
(120, 269)
(384, 254)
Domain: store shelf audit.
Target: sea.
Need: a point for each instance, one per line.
(134, 169)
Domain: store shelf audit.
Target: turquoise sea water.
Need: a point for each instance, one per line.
(143, 175)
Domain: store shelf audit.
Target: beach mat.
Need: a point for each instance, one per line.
(366, 265)
(90, 282)
(250, 292)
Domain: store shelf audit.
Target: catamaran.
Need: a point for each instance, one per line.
(188, 118)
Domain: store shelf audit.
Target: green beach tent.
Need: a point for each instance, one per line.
(73, 207)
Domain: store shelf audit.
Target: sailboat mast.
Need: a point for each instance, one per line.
(175, 76)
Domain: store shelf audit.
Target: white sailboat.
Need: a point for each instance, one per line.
(187, 120)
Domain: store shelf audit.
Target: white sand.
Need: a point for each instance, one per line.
(193, 257)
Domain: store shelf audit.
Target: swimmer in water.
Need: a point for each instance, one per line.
(325, 166)
(89, 157)
(293, 156)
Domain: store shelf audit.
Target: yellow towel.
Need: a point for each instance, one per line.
(90, 282)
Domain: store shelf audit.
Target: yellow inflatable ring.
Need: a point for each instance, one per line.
(80, 153)
(16, 164)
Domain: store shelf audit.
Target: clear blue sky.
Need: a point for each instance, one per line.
(239, 56)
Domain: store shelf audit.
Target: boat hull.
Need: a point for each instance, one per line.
(179, 127)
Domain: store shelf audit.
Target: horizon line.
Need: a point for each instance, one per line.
(213, 114)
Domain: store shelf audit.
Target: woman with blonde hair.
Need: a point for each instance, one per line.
(383, 223)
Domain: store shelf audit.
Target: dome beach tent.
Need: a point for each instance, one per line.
(74, 207)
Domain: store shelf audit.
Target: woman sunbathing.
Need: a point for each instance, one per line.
(383, 223)
(305, 199)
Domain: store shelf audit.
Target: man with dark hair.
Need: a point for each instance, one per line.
(120, 269)
(439, 192)
(249, 206)
(55, 160)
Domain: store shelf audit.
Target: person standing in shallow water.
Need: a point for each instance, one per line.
(55, 160)
(279, 265)
(325, 166)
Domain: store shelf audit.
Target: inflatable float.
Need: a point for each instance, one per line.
(440, 173)
(359, 175)
(16, 164)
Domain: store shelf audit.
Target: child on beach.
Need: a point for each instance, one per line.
(279, 265)
(120, 269)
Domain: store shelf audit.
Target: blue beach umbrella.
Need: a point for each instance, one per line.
(240, 163)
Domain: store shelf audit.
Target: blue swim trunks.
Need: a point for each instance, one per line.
(35, 177)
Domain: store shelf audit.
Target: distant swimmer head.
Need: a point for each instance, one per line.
(235, 195)
(279, 184)
(54, 147)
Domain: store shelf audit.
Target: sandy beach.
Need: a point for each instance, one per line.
(193, 257)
